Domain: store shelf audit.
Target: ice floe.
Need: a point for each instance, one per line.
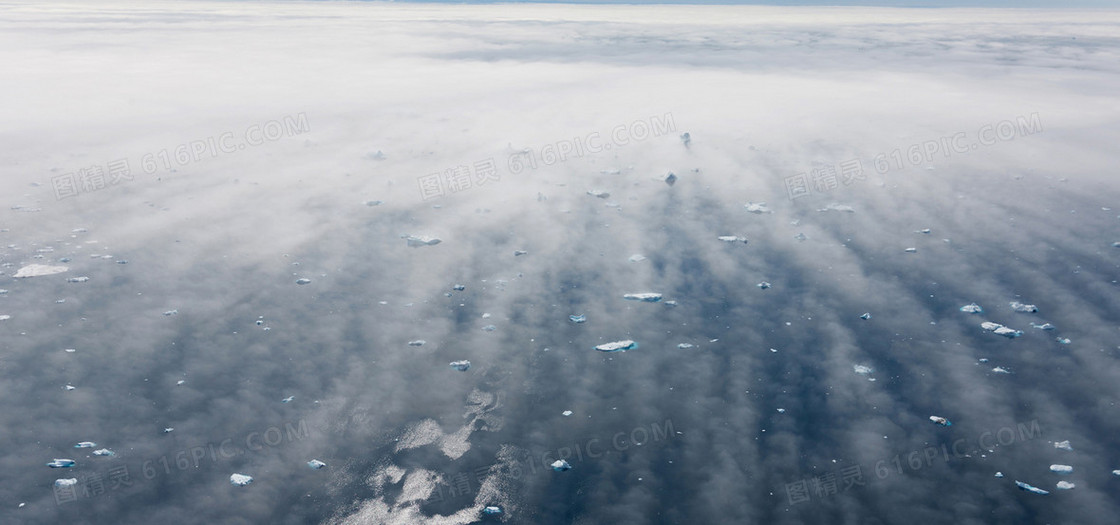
(941, 421)
(560, 465)
(1024, 308)
(316, 464)
(732, 238)
(418, 342)
(61, 463)
(240, 480)
(999, 329)
(1061, 469)
(461, 366)
(838, 207)
(1065, 485)
(86, 444)
(579, 318)
(648, 297)
(416, 241)
(1030, 488)
(972, 309)
(757, 207)
(617, 346)
(1063, 445)
(39, 270)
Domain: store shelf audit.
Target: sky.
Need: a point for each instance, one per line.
(198, 161)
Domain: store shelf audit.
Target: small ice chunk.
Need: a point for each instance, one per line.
(686, 138)
(865, 316)
(781, 411)
(911, 250)
(566, 413)
(1064, 445)
(461, 366)
(104, 452)
(941, 421)
(1065, 485)
(670, 179)
(1061, 469)
(519, 253)
(999, 329)
(647, 297)
(757, 207)
(983, 359)
(181, 382)
(287, 399)
(617, 346)
(684, 346)
(1116, 472)
(492, 511)
(862, 369)
(86, 444)
(838, 207)
(924, 230)
(1024, 308)
(303, 281)
(1000, 370)
(972, 308)
(1030, 488)
(416, 241)
(1063, 340)
(598, 193)
(62, 463)
(800, 237)
(373, 203)
(1043, 326)
(170, 313)
(39, 270)
(168, 430)
(732, 238)
(999, 474)
(459, 287)
(64, 482)
(81, 279)
(489, 328)
(670, 303)
(418, 342)
(560, 465)
(578, 318)
(69, 387)
(240, 480)
(637, 257)
(763, 285)
(316, 464)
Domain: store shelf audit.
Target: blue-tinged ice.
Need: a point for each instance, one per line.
(972, 309)
(670, 179)
(287, 399)
(86, 444)
(104, 452)
(560, 465)
(648, 297)
(865, 316)
(941, 421)
(81, 279)
(62, 463)
(1030, 488)
(461, 366)
(170, 313)
(316, 464)
(1024, 308)
(617, 346)
(240, 480)
(489, 328)
(1043, 326)
(580, 318)
(459, 287)
(1063, 340)
(492, 511)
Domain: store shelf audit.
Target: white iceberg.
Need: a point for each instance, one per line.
(648, 297)
(418, 342)
(999, 474)
(763, 285)
(1063, 445)
(911, 250)
(972, 309)
(1000, 370)
(865, 316)
(416, 241)
(240, 480)
(65, 482)
(1063, 340)
(757, 207)
(303, 281)
(1025, 308)
(316, 464)
(598, 193)
(81, 279)
(637, 257)
(566, 413)
(941, 421)
(492, 511)
(1043, 326)
(1030, 488)
(86, 444)
(170, 313)
(461, 366)
(1061, 469)
(999, 329)
(104, 452)
(732, 238)
(838, 207)
(617, 346)
(61, 463)
(1065, 485)
(684, 346)
(862, 369)
(288, 399)
(560, 465)
(39, 270)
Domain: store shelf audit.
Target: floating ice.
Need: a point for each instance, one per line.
(757, 207)
(103, 452)
(648, 297)
(781, 411)
(925, 230)
(862, 369)
(972, 309)
(287, 399)
(580, 318)
(373, 203)
(492, 511)
(303, 281)
(670, 303)
(617, 346)
(670, 179)
(518, 253)
(39, 270)
(865, 316)
(598, 193)
(181, 382)
(941, 421)
(416, 241)
(240, 480)
(999, 474)
(566, 413)
(999, 329)
(1064, 445)
(461, 366)
(61, 463)
(911, 250)
(5, 317)
(459, 287)
(800, 236)
(1063, 340)
(637, 257)
(489, 328)
(81, 279)
(1000, 370)
(684, 346)
(65, 482)
(168, 430)
(316, 464)
(1030, 488)
(1065, 485)
(1043, 326)
(86, 444)
(69, 387)
(1116, 472)
(764, 285)
(686, 138)
(560, 465)
(418, 342)
(838, 207)
(1061, 469)
(1025, 308)
(732, 238)
(170, 313)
